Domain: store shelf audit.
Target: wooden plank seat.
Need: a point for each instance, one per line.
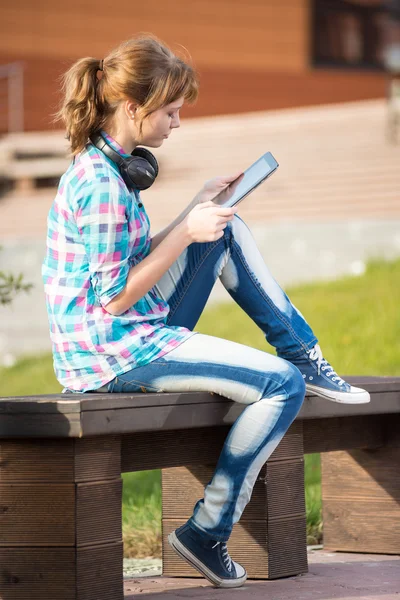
(61, 459)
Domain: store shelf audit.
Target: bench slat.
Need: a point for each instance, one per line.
(97, 401)
(96, 414)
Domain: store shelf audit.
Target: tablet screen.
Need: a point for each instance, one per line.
(247, 181)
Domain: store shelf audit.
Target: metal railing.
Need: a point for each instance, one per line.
(12, 97)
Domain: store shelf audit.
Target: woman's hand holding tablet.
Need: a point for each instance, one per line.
(247, 181)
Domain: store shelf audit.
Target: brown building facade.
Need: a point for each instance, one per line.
(250, 54)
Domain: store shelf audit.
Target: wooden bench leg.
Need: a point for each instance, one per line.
(361, 496)
(60, 519)
(270, 538)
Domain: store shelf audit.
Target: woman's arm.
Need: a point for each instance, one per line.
(210, 189)
(143, 276)
(205, 223)
(161, 235)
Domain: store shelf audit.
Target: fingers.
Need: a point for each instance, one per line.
(225, 211)
(229, 178)
(224, 221)
(219, 232)
(221, 211)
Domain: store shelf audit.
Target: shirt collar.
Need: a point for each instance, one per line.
(114, 144)
(118, 148)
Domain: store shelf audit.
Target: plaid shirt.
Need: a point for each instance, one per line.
(96, 233)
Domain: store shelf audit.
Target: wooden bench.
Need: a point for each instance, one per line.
(61, 459)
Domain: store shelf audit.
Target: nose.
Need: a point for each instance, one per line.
(175, 123)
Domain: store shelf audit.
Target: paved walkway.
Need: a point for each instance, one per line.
(335, 165)
(331, 575)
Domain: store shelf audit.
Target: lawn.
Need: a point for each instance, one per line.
(357, 323)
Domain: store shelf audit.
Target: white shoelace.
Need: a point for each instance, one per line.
(322, 364)
(225, 555)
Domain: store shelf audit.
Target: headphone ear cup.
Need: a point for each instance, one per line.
(138, 172)
(147, 155)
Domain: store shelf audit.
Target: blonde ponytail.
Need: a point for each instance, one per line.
(141, 69)
(79, 109)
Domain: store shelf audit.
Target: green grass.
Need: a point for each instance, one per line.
(356, 320)
(312, 480)
(29, 376)
(357, 324)
(141, 514)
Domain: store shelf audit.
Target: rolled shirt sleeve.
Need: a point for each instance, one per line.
(102, 218)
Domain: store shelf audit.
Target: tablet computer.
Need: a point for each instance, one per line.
(247, 181)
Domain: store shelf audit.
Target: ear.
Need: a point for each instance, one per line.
(130, 109)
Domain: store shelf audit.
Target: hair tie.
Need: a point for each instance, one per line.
(101, 65)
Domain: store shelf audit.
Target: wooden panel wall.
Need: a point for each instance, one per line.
(222, 91)
(251, 55)
(263, 34)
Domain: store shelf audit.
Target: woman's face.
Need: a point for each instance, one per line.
(158, 125)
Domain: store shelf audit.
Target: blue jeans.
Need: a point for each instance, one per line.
(272, 387)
